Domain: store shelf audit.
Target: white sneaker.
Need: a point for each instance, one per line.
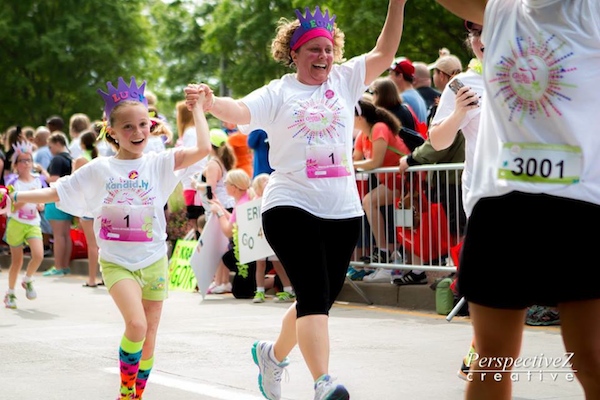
(220, 289)
(211, 287)
(30, 292)
(269, 372)
(325, 389)
(381, 275)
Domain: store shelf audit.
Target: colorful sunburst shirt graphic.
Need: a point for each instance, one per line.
(317, 118)
(533, 79)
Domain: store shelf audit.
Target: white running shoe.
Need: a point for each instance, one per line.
(269, 372)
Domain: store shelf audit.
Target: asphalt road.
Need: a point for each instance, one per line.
(63, 345)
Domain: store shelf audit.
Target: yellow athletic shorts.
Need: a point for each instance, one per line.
(153, 279)
(18, 233)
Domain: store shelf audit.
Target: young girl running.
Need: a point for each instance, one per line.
(125, 195)
(23, 226)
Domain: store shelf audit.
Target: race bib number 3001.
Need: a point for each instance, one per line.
(541, 163)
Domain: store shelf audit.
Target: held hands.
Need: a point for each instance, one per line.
(199, 94)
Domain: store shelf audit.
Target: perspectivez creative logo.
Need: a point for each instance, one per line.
(538, 368)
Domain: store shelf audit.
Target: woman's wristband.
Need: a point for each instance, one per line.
(15, 196)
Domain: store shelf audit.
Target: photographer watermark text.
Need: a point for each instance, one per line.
(536, 368)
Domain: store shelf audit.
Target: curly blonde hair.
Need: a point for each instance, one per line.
(280, 47)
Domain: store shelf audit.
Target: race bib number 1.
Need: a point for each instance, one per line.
(127, 223)
(541, 163)
(326, 161)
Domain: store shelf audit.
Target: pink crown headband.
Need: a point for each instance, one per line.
(122, 92)
(21, 148)
(312, 26)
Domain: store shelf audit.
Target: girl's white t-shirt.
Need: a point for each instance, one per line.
(126, 198)
(28, 214)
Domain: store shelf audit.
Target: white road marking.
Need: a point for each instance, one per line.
(193, 387)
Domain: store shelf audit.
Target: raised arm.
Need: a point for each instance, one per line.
(471, 10)
(191, 155)
(381, 57)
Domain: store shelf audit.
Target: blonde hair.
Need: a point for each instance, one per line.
(281, 49)
(238, 178)
(259, 182)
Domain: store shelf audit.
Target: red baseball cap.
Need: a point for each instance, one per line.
(404, 66)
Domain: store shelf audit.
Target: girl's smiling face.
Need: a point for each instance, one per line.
(130, 127)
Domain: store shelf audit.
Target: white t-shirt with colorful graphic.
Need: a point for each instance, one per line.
(28, 214)
(310, 136)
(126, 199)
(542, 75)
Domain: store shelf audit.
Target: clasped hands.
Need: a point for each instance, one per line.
(202, 93)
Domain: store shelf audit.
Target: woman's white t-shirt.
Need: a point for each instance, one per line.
(310, 136)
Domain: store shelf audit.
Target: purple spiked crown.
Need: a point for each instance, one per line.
(21, 148)
(312, 26)
(122, 92)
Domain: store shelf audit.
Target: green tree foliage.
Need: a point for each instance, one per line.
(240, 33)
(54, 54)
(427, 28)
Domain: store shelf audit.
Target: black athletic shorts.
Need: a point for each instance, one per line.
(523, 249)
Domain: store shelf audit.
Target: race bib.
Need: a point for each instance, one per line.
(327, 161)
(27, 213)
(541, 163)
(127, 223)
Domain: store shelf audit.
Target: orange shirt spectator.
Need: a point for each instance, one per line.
(243, 154)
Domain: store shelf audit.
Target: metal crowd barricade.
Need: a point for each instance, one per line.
(423, 220)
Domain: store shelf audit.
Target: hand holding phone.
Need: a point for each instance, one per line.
(456, 85)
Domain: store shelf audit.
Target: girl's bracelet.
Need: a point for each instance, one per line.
(15, 196)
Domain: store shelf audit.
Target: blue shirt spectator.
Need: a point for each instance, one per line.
(258, 141)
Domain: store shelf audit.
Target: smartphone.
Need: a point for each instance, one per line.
(455, 86)
(209, 193)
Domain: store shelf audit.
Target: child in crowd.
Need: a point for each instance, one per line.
(23, 226)
(287, 295)
(125, 195)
